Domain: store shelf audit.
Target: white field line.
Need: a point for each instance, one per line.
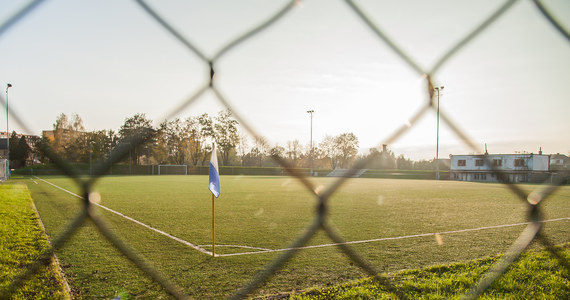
(265, 250)
(391, 238)
(135, 221)
(57, 263)
(238, 246)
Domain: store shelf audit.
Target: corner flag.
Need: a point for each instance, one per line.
(214, 182)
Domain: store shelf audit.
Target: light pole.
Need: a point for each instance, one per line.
(438, 90)
(7, 134)
(311, 153)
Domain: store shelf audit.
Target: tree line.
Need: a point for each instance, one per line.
(189, 141)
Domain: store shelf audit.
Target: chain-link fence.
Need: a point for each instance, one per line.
(320, 222)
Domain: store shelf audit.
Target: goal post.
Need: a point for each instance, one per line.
(172, 170)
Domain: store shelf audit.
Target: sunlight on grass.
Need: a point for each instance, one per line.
(270, 212)
(21, 242)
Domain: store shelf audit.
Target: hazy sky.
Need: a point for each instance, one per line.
(107, 60)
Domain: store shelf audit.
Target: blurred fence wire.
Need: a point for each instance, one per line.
(320, 222)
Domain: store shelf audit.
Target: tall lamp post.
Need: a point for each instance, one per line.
(438, 90)
(7, 134)
(311, 153)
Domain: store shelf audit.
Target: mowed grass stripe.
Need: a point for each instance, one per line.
(365, 214)
(437, 235)
(269, 212)
(180, 205)
(133, 220)
(265, 250)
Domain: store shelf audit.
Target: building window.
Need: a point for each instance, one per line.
(461, 163)
(479, 162)
(519, 162)
(497, 162)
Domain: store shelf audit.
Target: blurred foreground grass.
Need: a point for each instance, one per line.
(21, 241)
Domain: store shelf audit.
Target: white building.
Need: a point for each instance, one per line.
(559, 162)
(487, 167)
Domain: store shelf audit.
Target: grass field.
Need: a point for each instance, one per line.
(22, 241)
(269, 212)
(535, 275)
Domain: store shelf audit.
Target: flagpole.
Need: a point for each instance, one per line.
(213, 231)
(214, 187)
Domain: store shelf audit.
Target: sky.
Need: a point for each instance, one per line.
(107, 60)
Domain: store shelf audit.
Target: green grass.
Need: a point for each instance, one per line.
(270, 212)
(21, 242)
(536, 275)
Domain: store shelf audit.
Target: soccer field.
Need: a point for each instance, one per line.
(394, 224)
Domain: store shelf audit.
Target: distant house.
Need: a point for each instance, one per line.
(559, 162)
(30, 140)
(62, 136)
(526, 167)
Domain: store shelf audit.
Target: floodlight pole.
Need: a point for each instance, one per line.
(7, 134)
(438, 90)
(311, 145)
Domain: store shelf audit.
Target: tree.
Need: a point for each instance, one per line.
(384, 159)
(207, 133)
(96, 145)
(258, 153)
(65, 134)
(329, 150)
(171, 138)
(424, 164)
(293, 151)
(206, 126)
(195, 140)
(60, 127)
(242, 148)
(38, 150)
(19, 151)
(226, 134)
(404, 163)
(137, 131)
(276, 151)
(347, 146)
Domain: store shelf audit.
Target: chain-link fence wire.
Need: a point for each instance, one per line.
(320, 222)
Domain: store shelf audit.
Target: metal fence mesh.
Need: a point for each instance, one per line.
(533, 200)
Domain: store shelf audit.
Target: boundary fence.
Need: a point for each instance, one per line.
(533, 200)
(237, 170)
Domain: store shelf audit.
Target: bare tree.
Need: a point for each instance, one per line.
(226, 134)
(330, 151)
(293, 151)
(347, 146)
